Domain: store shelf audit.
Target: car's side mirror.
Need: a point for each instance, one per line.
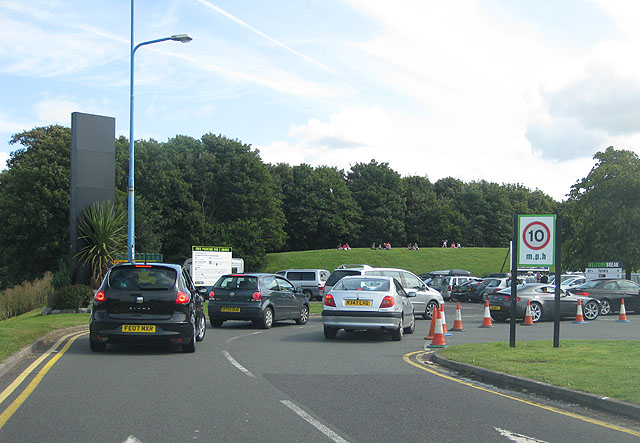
(411, 293)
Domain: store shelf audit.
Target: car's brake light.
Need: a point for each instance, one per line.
(143, 266)
(256, 296)
(449, 288)
(99, 296)
(182, 298)
(212, 295)
(329, 301)
(320, 286)
(586, 294)
(387, 302)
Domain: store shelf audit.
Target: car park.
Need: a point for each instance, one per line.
(542, 303)
(260, 298)
(425, 300)
(310, 281)
(360, 302)
(147, 303)
(610, 292)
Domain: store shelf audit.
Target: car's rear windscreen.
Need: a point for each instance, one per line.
(136, 278)
(237, 282)
(338, 274)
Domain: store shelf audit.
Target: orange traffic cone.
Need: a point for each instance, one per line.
(457, 324)
(438, 336)
(579, 317)
(528, 320)
(444, 322)
(486, 321)
(432, 328)
(622, 318)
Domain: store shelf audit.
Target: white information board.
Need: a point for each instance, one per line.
(536, 240)
(209, 263)
(609, 269)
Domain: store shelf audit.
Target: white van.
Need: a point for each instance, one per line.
(310, 281)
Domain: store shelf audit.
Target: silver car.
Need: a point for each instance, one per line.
(371, 303)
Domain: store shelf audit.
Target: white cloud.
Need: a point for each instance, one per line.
(56, 111)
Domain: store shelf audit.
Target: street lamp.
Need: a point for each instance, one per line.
(182, 38)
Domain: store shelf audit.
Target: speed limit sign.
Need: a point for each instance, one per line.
(536, 240)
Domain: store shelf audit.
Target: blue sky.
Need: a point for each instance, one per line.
(509, 91)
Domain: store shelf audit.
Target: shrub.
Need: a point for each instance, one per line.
(60, 279)
(71, 297)
(25, 297)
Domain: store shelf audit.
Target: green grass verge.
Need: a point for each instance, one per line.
(20, 331)
(602, 367)
(479, 261)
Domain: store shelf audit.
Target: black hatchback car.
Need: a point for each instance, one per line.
(147, 303)
(610, 292)
(260, 298)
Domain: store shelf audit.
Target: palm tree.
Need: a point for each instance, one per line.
(103, 229)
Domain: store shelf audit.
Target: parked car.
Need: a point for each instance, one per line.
(147, 303)
(310, 281)
(609, 292)
(572, 282)
(474, 292)
(370, 303)
(459, 292)
(453, 283)
(542, 303)
(442, 280)
(425, 300)
(497, 284)
(260, 298)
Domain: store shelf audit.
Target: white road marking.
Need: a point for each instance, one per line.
(519, 438)
(244, 335)
(313, 422)
(132, 439)
(237, 365)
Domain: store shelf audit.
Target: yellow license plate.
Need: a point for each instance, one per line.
(357, 302)
(494, 308)
(229, 309)
(145, 329)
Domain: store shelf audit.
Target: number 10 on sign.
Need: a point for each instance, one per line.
(536, 240)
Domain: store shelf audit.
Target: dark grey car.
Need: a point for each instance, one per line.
(542, 302)
(610, 292)
(260, 298)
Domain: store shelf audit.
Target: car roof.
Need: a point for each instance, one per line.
(140, 264)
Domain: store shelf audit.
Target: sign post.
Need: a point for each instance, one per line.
(536, 244)
(209, 263)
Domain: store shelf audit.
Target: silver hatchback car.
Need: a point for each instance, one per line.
(370, 303)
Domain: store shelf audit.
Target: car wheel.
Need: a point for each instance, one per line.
(499, 318)
(397, 334)
(216, 323)
(330, 333)
(267, 319)
(605, 307)
(307, 293)
(536, 312)
(591, 310)
(202, 328)
(412, 327)
(428, 311)
(97, 346)
(191, 345)
(303, 318)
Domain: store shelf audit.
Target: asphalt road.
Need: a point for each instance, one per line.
(289, 384)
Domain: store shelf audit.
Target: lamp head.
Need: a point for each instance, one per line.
(182, 38)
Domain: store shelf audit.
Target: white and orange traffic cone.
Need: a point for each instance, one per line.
(438, 336)
(486, 321)
(457, 324)
(528, 319)
(579, 317)
(432, 327)
(444, 321)
(622, 318)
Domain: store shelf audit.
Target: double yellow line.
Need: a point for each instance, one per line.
(13, 407)
(407, 359)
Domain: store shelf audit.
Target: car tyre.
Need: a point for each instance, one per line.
(396, 335)
(412, 327)
(605, 307)
(591, 310)
(97, 346)
(307, 293)
(267, 319)
(428, 311)
(303, 318)
(499, 318)
(202, 328)
(216, 323)
(190, 347)
(536, 312)
(330, 333)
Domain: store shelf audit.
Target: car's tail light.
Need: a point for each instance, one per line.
(143, 266)
(320, 286)
(449, 288)
(387, 302)
(329, 301)
(99, 296)
(212, 295)
(256, 296)
(583, 293)
(182, 298)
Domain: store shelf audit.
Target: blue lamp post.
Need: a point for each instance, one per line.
(183, 38)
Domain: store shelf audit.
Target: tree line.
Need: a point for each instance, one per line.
(217, 191)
